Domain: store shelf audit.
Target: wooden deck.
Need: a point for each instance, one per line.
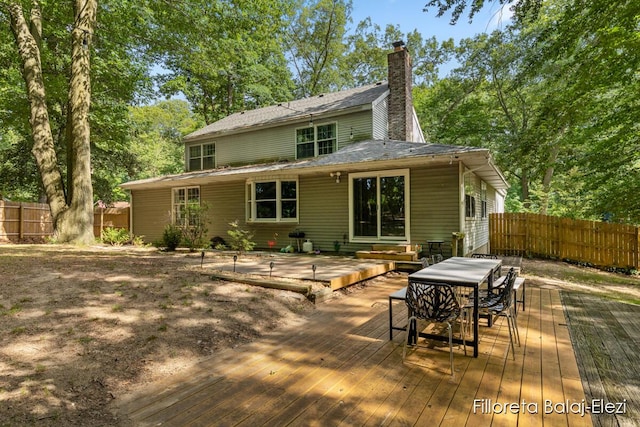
(606, 336)
(338, 367)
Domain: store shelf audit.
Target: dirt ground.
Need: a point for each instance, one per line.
(80, 327)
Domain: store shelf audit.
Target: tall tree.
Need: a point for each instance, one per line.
(365, 60)
(575, 68)
(524, 9)
(72, 210)
(156, 138)
(593, 50)
(224, 56)
(315, 44)
(119, 77)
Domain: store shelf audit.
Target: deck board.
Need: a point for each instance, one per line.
(604, 334)
(338, 367)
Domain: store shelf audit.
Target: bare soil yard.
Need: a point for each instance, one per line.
(80, 327)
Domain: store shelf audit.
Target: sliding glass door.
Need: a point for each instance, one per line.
(379, 205)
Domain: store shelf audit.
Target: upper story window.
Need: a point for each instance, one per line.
(315, 141)
(183, 198)
(202, 156)
(272, 200)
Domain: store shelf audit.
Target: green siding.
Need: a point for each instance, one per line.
(151, 213)
(323, 216)
(278, 143)
(477, 229)
(323, 210)
(434, 204)
(226, 204)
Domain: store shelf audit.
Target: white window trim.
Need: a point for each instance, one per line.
(470, 190)
(202, 156)
(173, 200)
(315, 139)
(251, 211)
(484, 205)
(407, 206)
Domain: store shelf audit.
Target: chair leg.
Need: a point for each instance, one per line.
(513, 350)
(450, 346)
(463, 332)
(515, 325)
(410, 338)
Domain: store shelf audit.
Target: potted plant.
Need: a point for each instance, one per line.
(336, 246)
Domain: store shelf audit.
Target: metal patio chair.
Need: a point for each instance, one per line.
(500, 302)
(432, 302)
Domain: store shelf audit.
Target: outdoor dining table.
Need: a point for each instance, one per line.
(457, 272)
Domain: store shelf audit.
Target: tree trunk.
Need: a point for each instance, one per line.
(43, 148)
(548, 177)
(72, 215)
(524, 195)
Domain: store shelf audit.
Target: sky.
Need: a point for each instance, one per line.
(409, 15)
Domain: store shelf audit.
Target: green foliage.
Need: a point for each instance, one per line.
(523, 9)
(156, 133)
(240, 239)
(554, 98)
(194, 235)
(223, 58)
(115, 236)
(119, 76)
(171, 237)
(365, 59)
(316, 45)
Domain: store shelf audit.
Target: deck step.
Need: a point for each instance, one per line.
(393, 248)
(410, 266)
(388, 255)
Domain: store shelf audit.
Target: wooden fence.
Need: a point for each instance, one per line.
(598, 243)
(32, 222)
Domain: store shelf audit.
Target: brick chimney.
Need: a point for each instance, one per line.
(400, 98)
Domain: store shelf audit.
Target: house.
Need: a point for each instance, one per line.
(351, 167)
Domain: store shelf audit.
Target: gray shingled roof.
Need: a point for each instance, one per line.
(378, 150)
(348, 157)
(293, 110)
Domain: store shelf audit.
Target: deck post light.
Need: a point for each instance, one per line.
(313, 268)
(235, 258)
(271, 264)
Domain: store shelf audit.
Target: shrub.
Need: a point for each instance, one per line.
(171, 237)
(194, 234)
(239, 239)
(138, 241)
(218, 242)
(115, 236)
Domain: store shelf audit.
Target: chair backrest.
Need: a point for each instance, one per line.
(485, 256)
(505, 298)
(431, 300)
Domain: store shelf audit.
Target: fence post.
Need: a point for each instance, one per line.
(21, 221)
(637, 254)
